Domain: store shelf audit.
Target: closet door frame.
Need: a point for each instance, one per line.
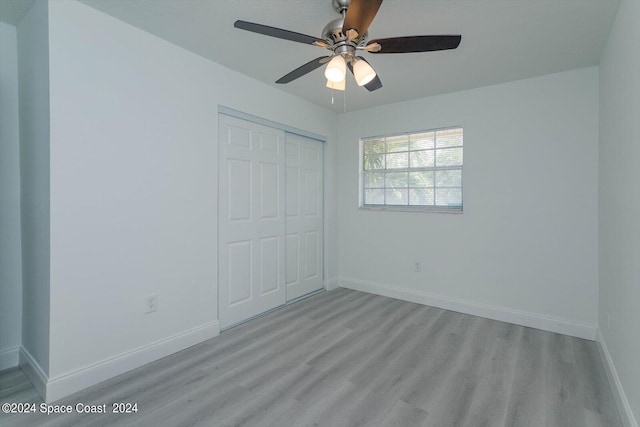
(223, 263)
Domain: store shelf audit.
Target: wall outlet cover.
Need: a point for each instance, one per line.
(151, 303)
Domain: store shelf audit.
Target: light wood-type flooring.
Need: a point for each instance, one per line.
(345, 358)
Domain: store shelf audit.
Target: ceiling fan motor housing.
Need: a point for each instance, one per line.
(338, 41)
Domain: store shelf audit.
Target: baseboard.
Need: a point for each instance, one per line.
(331, 284)
(9, 358)
(504, 314)
(74, 381)
(624, 408)
(34, 372)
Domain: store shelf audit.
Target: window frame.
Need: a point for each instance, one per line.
(410, 208)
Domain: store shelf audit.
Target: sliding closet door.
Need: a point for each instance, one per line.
(251, 219)
(304, 216)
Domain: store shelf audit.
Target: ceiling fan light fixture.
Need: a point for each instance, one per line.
(345, 36)
(363, 72)
(336, 69)
(337, 86)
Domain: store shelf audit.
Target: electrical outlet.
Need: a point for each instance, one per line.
(418, 267)
(151, 303)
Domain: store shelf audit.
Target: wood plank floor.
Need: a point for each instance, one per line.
(347, 358)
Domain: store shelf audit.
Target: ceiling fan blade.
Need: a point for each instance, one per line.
(360, 14)
(374, 84)
(416, 44)
(304, 69)
(277, 33)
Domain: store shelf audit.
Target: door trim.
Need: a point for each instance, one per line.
(265, 122)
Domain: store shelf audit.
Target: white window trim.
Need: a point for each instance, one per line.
(404, 208)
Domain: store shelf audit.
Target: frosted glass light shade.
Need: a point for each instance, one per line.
(363, 72)
(337, 86)
(336, 69)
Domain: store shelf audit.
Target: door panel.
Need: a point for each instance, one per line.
(239, 184)
(238, 136)
(311, 197)
(239, 282)
(311, 252)
(252, 221)
(293, 258)
(292, 190)
(269, 190)
(304, 216)
(270, 142)
(269, 264)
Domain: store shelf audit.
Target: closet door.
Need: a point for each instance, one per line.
(304, 216)
(251, 219)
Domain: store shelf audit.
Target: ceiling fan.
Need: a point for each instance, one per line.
(347, 35)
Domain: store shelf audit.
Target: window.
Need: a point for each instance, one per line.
(416, 170)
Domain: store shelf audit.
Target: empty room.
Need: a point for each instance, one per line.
(320, 213)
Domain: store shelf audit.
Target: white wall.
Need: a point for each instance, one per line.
(620, 201)
(33, 68)
(525, 248)
(10, 245)
(134, 158)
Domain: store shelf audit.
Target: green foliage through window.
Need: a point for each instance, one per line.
(414, 170)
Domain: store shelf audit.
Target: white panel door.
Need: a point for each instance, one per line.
(251, 220)
(304, 216)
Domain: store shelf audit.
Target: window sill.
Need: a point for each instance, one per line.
(417, 209)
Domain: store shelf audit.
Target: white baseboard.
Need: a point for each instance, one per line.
(34, 372)
(331, 284)
(74, 381)
(624, 408)
(504, 314)
(9, 357)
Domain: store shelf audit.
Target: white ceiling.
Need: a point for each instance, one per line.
(502, 40)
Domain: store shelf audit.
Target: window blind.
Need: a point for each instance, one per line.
(420, 170)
